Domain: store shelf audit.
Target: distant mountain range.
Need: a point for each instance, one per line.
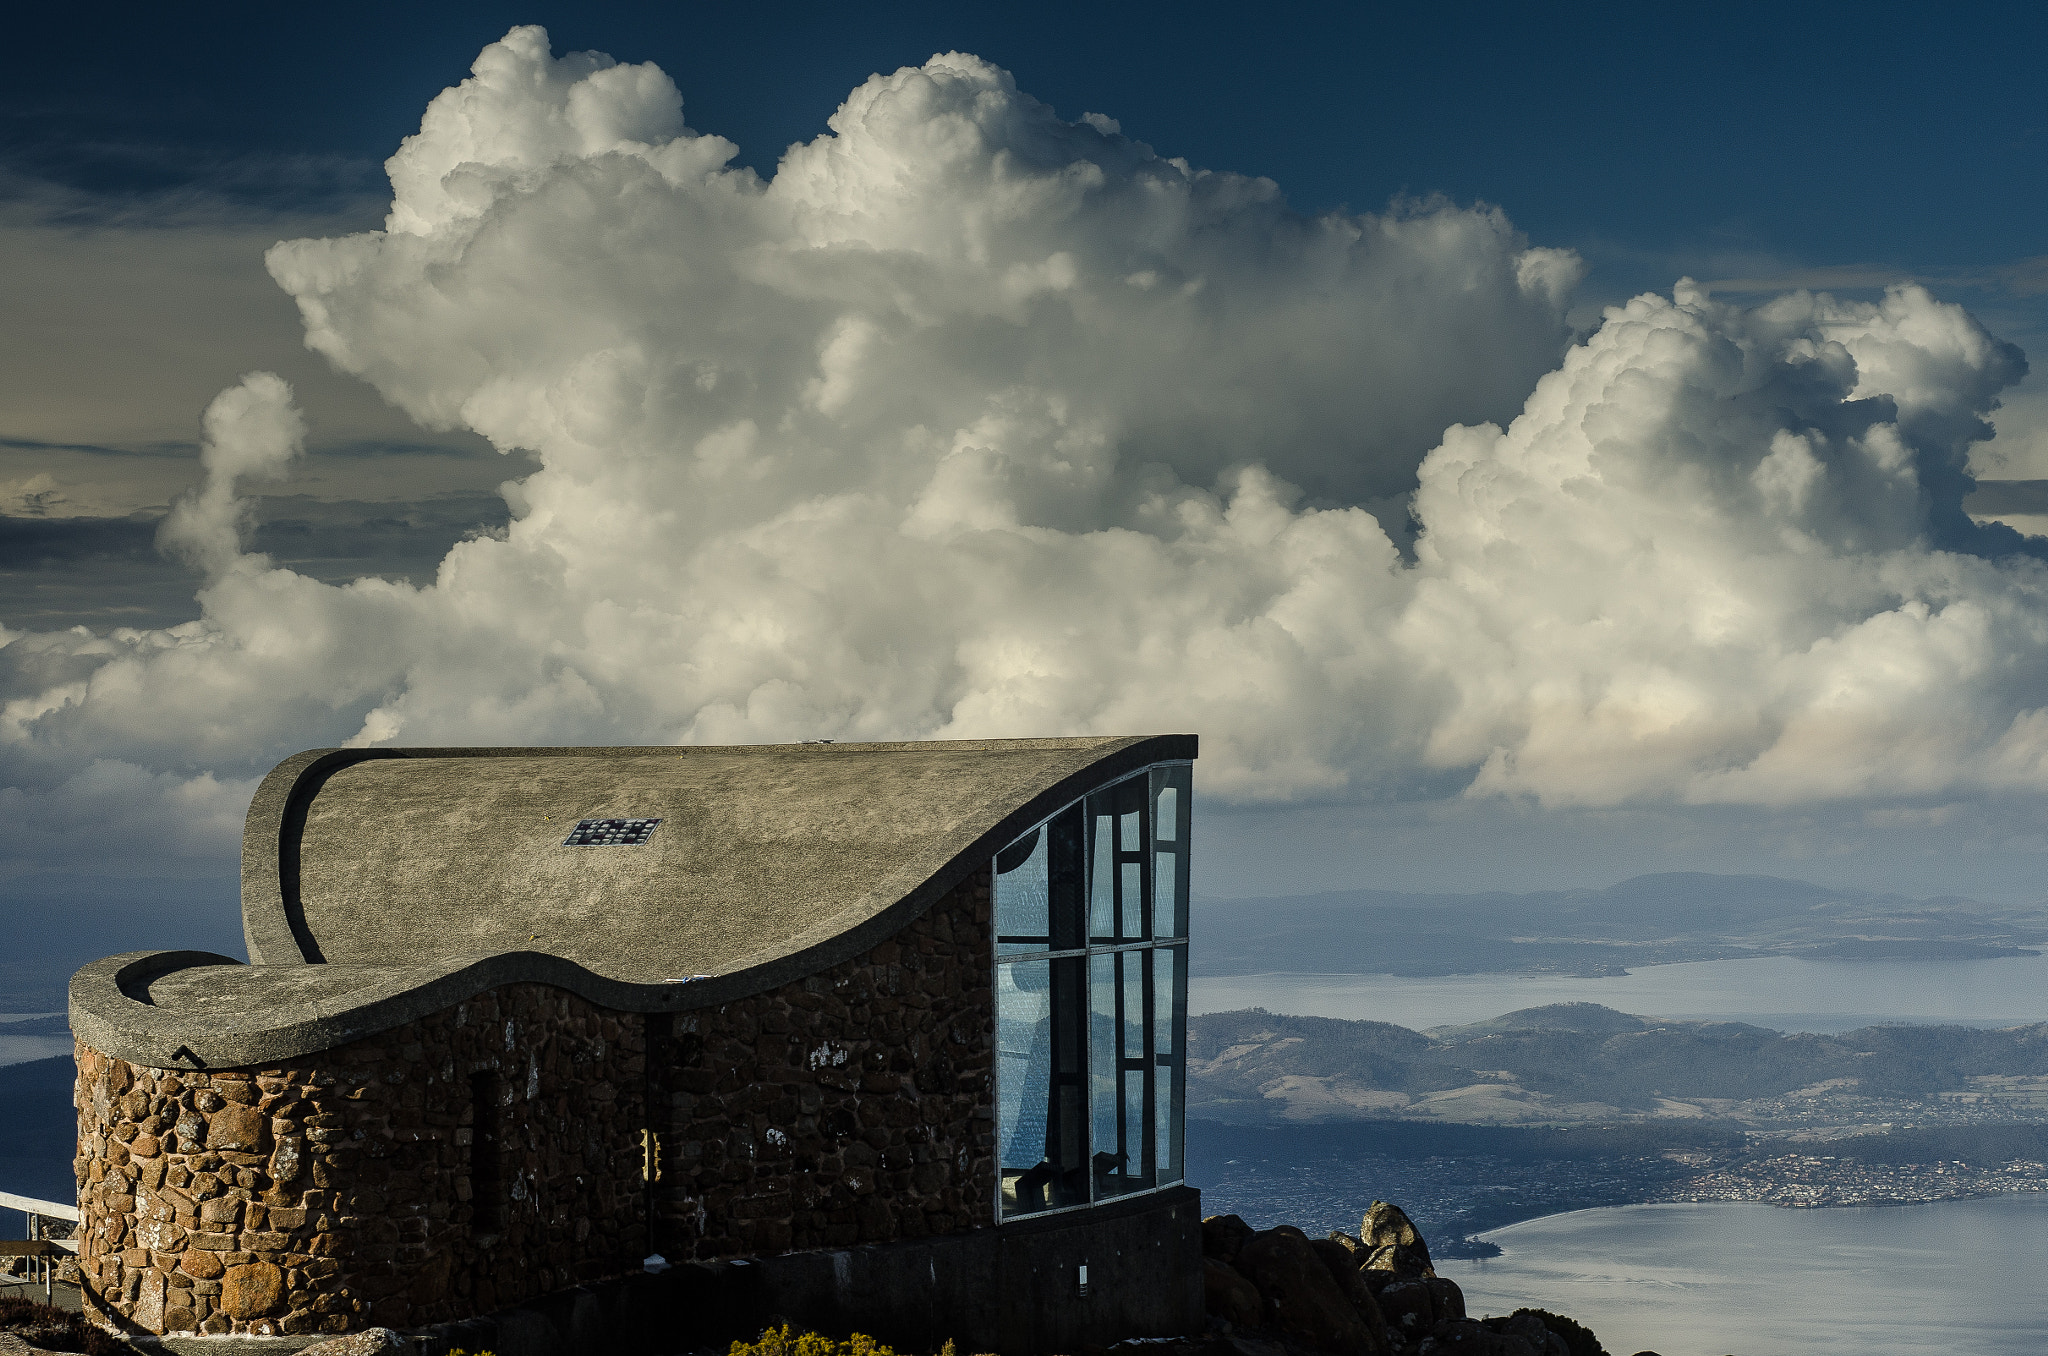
(1648, 920)
(1580, 1062)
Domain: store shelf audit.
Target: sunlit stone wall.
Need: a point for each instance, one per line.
(339, 1190)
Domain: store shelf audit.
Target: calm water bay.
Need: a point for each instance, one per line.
(1961, 1278)
(16, 1048)
(1778, 992)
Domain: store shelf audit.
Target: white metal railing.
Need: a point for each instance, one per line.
(43, 1209)
(41, 1214)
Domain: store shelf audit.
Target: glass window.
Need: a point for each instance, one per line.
(1131, 890)
(1102, 872)
(1170, 813)
(1023, 895)
(1165, 907)
(1090, 1073)
(1136, 1068)
(1169, 1036)
(1040, 880)
(1024, 1056)
(1041, 1141)
(1105, 1106)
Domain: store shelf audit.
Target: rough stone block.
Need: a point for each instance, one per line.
(252, 1290)
(235, 1126)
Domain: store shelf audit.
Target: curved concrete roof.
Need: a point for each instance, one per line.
(381, 884)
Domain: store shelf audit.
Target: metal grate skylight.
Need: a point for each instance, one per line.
(611, 833)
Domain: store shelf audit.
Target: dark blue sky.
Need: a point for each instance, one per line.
(1771, 142)
(1652, 137)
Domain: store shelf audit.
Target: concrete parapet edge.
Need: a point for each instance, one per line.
(111, 1013)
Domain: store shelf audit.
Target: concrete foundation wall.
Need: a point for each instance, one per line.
(1014, 1289)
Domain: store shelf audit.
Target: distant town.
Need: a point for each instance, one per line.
(1812, 1180)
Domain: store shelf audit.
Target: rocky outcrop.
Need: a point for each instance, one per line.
(1223, 1236)
(1392, 1243)
(1227, 1295)
(1277, 1292)
(1302, 1300)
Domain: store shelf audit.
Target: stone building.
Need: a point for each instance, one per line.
(903, 1025)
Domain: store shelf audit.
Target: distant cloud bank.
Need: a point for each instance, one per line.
(975, 422)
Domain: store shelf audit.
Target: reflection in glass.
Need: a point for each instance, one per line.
(1024, 1062)
(1103, 1102)
(1067, 873)
(1102, 873)
(1041, 1137)
(1170, 793)
(1137, 1069)
(1022, 895)
(1134, 1004)
(1165, 910)
(1134, 1130)
(1169, 1007)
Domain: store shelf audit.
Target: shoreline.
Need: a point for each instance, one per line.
(1474, 1247)
(1461, 1186)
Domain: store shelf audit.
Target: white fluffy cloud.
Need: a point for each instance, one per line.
(253, 431)
(971, 421)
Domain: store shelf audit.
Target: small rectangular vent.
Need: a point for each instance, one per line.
(611, 833)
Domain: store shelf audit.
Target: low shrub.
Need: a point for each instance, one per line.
(787, 1341)
(39, 1325)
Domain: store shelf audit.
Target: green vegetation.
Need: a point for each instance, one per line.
(786, 1341)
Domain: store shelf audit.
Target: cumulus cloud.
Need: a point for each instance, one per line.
(253, 431)
(971, 421)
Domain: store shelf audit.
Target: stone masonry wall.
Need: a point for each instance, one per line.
(855, 1105)
(333, 1192)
